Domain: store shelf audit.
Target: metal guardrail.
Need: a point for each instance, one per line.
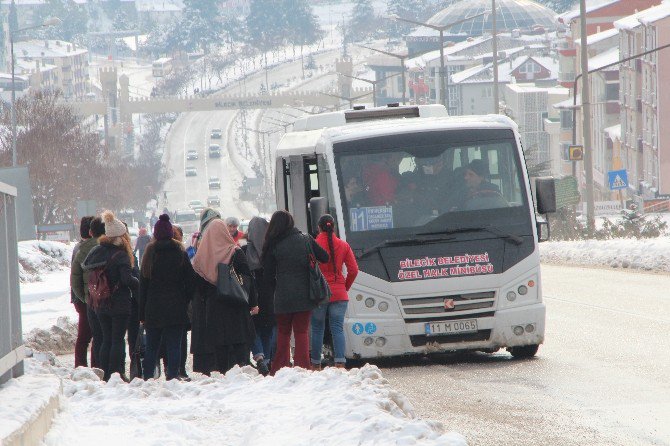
(11, 342)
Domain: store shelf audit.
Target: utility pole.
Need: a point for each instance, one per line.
(496, 100)
(586, 119)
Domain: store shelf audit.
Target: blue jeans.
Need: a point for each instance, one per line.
(335, 311)
(264, 344)
(172, 337)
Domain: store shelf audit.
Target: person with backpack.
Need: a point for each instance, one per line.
(111, 282)
(84, 334)
(340, 254)
(166, 286)
(286, 268)
(221, 328)
(79, 284)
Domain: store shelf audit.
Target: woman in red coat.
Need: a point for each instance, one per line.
(340, 254)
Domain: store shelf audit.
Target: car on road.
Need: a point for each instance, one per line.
(192, 155)
(188, 219)
(196, 205)
(213, 200)
(191, 171)
(216, 134)
(214, 183)
(214, 151)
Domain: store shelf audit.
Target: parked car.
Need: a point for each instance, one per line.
(214, 151)
(191, 171)
(192, 155)
(214, 183)
(213, 200)
(216, 134)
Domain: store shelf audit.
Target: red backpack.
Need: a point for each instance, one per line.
(99, 290)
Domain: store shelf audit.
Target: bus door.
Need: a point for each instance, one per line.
(298, 179)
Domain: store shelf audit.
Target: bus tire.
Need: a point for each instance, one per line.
(524, 351)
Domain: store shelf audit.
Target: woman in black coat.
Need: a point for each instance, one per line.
(115, 255)
(221, 332)
(286, 266)
(166, 286)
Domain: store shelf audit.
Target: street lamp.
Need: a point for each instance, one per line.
(402, 58)
(350, 99)
(444, 97)
(373, 83)
(48, 22)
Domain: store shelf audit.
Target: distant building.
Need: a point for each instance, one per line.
(41, 76)
(158, 11)
(645, 100)
(71, 63)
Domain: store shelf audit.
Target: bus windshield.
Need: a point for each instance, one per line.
(393, 187)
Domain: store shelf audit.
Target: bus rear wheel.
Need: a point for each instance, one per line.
(524, 351)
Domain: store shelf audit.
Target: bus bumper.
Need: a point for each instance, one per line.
(509, 327)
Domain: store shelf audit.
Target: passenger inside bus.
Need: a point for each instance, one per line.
(381, 179)
(482, 194)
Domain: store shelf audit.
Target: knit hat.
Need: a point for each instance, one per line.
(479, 167)
(113, 226)
(163, 228)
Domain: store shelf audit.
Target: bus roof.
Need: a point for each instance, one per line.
(313, 141)
(162, 60)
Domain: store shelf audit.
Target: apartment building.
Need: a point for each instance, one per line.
(645, 100)
(71, 63)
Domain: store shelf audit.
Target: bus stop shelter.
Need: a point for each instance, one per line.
(11, 342)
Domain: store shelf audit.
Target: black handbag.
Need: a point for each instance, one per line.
(230, 285)
(319, 290)
(137, 354)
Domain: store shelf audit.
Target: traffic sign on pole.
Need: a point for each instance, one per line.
(618, 179)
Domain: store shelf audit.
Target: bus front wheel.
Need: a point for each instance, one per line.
(524, 351)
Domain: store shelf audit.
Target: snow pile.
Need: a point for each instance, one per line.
(37, 257)
(644, 254)
(59, 339)
(296, 407)
(24, 398)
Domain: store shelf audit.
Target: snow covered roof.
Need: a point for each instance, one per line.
(47, 48)
(569, 16)
(30, 66)
(159, 6)
(645, 17)
(484, 72)
(568, 103)
(599, 37)
(605, 58)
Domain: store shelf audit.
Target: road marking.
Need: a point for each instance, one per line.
(613, 310)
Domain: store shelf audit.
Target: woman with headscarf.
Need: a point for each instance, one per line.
(264, 321)
(221, 331)
(206, 217)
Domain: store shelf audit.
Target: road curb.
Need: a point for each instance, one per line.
(32, 430)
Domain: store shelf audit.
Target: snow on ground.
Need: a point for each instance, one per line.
(296, 407)
(645, 254)
(37, 257)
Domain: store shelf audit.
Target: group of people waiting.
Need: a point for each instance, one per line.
(172, 289)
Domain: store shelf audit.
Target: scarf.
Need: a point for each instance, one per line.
(217, 246)
(255, 237)
(208, 214)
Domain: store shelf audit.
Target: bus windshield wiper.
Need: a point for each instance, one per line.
(399, 242)
(492, 229)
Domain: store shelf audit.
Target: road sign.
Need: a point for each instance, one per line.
(618, 179)
(576, 153)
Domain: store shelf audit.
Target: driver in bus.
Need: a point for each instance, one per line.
(482, 194)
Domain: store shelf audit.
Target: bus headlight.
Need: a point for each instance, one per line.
(511, 296)
(380, 342)
(523, 290)
(368, 341)
(383, 306)
(369, 302)
(518, 330)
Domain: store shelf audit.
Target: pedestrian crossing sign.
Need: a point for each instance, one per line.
(618, 179)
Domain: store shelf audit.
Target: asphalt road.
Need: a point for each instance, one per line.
(601, 378)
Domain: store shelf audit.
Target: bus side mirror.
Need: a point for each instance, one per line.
(543, 232)
(318, 206)
(545, 192)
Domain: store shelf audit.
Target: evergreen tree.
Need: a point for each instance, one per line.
(200, 19)
(408, 9)
(363, 22)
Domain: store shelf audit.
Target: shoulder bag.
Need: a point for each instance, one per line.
(319, 290)
(230, 285)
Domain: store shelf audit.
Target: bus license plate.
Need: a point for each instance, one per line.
(451, 327)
